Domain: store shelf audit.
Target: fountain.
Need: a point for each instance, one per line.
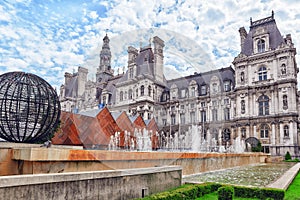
(193, 140)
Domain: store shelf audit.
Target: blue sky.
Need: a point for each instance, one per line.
(49, 38)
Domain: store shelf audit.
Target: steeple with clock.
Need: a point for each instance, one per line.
(105, 72)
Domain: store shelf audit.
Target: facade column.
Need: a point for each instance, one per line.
(274, 104)
(254, 131)
(280, 133)
(273, 138)
(247, 131)
(291, 132)
(220, 137)
(254, 109)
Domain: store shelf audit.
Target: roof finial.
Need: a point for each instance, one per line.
(141, 43)
(272, 14)
(250, 20)
(150, 39)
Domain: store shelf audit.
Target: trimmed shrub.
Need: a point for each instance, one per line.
(287, 156)
(225, 193)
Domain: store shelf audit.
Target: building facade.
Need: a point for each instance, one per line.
(255, 101)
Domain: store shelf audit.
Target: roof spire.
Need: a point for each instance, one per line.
(250, 21)
(272, 14)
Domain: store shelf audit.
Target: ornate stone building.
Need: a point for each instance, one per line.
(256, 101)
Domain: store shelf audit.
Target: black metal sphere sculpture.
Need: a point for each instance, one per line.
(29, 108)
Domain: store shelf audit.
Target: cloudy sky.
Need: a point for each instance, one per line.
(49, 38)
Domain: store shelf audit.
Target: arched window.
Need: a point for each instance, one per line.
(215, 134)
(203, 90)
(130, 93)
(142, 90)
(283, 69)
(243, 132)
(261, 45)
(242, 77)
(121, 96)
(149, 91)
(193, 91)
(243, 107)
(104, 100)
(263, 105)
(286, 131)
(262, 74)
(264, 131)
(226, 135)
(285, 102)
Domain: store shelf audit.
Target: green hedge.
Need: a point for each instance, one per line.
(193, 191)
(225, 193)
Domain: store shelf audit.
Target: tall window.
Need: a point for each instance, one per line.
(243, 132)
(226, 114)
(242, 77)
(264, 131)
(214, 115)
(182, 118)
(286, 131)
(283, 69)
(130, 73)
(121, 96)
(227, 86)
(193, 117)
(243, 109)
(262, 74)
(215, 134)
(215, 87)
(261, 46)
(173, 119)
(203, 116)
(183, 91)
(226, 135)
(284, 102)
(104, 100)
(142, 90)
(193, 91)
(203, 90)
(130, 93)
(263, 105)
(149, 91)
(137, 92)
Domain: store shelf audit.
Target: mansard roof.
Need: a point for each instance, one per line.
(145, 61)
(269, 24)
(71, 87)
(224, 74)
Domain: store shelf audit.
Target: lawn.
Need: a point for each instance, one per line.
(293, 192)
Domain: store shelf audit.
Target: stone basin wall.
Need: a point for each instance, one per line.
(36, 160)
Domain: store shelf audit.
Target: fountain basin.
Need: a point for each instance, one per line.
(35, 160)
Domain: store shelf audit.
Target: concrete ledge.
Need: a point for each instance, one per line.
(109, 184)
(17, 180)
(286, 179)
(55, 154)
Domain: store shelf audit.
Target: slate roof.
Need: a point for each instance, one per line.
(275, 38)
(90, 113)
(71, 87)
(224, 74)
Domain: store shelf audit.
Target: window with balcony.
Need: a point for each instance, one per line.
(263, 105)
(261, 46)
(262, 73)
(264, 131)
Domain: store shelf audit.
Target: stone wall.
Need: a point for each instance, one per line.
(54, 160)
(110, 184)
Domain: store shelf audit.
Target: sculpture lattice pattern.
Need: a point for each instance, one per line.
(29, 108)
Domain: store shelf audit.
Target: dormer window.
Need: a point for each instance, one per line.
(203, 90)
(262, 74)
(261, 46)
(227, 86)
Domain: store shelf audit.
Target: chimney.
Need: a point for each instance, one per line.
(243, 35)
